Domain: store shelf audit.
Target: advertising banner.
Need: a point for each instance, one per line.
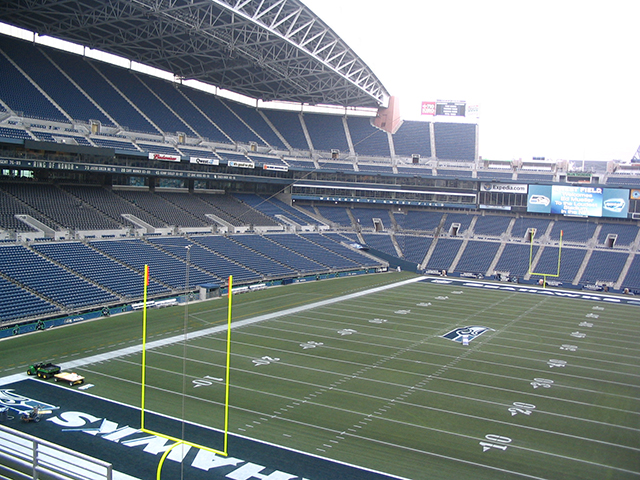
(573, 200)
(504, 187)
(428, 108)
(165, 157)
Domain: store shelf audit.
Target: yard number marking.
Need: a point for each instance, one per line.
(442, 298)
(585, 324)
(542, 382)
(347, 331)
(578, 334)
(501, 442)
(570, 348)
(519, 407)
(311, 344)
(402, 312)
(205, 381)
(423, 304)
(592, 315)
(556, 363)
(377, 320)
(265, 360)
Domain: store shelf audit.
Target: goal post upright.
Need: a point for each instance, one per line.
(144, 342)
(226, 398)
(545, 275)
(178, 441)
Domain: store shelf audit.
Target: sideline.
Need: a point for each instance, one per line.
(526, 288)
(74, 364)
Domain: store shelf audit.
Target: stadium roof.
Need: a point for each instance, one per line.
(264, 49)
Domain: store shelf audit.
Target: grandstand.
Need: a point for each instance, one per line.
(105, 169)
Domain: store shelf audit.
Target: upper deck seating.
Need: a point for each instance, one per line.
(83, 73)
(326, 132)
(33, 62)
(64, 209)
(413, 138)
(367, 139)
(288, 125)
(455, 141)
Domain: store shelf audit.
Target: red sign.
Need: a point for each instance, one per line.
(428, 108)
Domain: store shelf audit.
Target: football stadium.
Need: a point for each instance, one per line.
(225, 255)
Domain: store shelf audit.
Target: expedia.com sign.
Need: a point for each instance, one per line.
(504, 187)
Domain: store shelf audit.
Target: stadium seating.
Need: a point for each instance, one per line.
(424, 220)
(368, 140)
(477, 257)
(413, 247)
(275, 250)
(323, 256)
(204, 259)
(491, 225)
(380, 241)
(232, 249)
(288, 125)
(444, 254)
(17, 303)
(604, 266)
(51, 281)
(57, 86)
(455, 141)
(413, 137)
(63, 209)
(335, 215)
(515, 259)
(100, 269)
(365, 216)
(164, 266)
(570, 262)
(326, 132)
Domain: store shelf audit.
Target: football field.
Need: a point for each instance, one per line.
(402, 375)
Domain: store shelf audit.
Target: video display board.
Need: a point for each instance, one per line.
(578, 200)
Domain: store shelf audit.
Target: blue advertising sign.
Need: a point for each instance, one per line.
(584, 201)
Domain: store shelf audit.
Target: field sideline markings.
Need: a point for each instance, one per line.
(189, 336)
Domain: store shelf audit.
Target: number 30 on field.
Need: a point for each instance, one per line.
(497, 441)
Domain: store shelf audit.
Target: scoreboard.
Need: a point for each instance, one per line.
(447, 108)
(451, 109)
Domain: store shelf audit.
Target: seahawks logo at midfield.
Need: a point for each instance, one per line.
(460, 334)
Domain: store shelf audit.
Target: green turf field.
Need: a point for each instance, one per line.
(550, 391)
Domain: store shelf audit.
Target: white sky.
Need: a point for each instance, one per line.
(553, 78)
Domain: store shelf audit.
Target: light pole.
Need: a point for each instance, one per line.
(184, 343)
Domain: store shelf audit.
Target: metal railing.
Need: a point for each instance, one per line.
(23, 456)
